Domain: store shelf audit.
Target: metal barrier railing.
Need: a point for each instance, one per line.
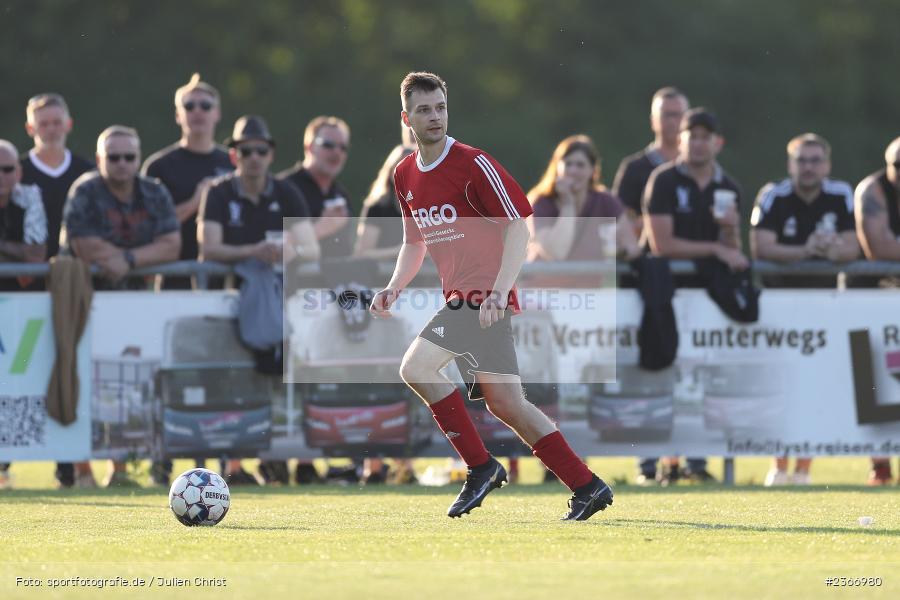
(203, 271)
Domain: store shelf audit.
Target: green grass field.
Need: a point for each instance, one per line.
(393, 542)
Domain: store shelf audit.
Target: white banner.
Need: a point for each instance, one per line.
(819, 374)
(27, 353)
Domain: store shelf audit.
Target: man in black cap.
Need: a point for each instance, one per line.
(691, 211)
(244, 208)
(691, 205)
(239, 208)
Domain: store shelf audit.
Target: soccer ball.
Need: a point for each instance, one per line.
(199, 497)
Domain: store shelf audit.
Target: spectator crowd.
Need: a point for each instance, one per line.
(199, 200)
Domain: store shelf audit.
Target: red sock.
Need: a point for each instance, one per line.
(555, 453)
(454, 420)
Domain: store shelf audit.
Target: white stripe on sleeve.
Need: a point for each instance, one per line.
(496, 183)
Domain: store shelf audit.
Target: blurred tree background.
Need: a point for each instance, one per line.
(522, 74)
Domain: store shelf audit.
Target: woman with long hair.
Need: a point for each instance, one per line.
(380, 231)
(571, 187)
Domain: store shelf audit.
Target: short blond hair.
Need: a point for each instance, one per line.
(312, 130)
(116, 131)
(666, 93)
(36, 103)
(195, 84)
(808, 139)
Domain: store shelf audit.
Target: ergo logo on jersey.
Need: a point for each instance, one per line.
(434, 216)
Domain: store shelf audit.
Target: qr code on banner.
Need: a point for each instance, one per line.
(23, 421)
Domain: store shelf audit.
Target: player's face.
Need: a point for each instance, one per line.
(198, 113)
(8, 178)
(809, 166)
(120, 159)
(427, 116)
(577, 168)
(253, 158)
(329, 151)
(49, 126)
(665, 117)
(699, 146)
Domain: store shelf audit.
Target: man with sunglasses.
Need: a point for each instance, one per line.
(23, 224)
(238, 211)
(189, 166)
(326, 142)
(50, 164)
(119, 220)
(805, 216)
(877, 209)
(23, 235)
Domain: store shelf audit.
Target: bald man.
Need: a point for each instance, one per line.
(877, 211)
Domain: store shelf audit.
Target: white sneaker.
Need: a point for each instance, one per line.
(801, 478)
(776, 477)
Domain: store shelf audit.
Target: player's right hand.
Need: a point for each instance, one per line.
(382, 302)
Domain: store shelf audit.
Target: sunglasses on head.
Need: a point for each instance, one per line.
(129, 157)
(246, 151)
(7, 169)
(204, 105)
(329, 145)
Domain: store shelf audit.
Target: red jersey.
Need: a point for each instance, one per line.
(459, 205)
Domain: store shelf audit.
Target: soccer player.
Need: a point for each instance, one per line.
(472, 214)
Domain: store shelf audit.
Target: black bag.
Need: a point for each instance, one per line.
(732, 291)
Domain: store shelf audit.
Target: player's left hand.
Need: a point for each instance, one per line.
(492, 309)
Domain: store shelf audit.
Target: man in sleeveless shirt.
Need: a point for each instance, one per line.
(878, 228)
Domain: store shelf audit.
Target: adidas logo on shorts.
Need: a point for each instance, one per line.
(439, 331)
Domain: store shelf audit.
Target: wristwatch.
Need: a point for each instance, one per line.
(129, 258)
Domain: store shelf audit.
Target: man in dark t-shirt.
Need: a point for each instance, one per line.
(691, 205)
(326, 142)
(23, 226)
(188, 167)
(805, 216)
(118, 220)
(691, 211)
(240, 210)
(50, 165)
(666, 110)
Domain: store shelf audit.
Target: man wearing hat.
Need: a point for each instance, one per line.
(691, 211)
(691, 204)
(239, 209)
